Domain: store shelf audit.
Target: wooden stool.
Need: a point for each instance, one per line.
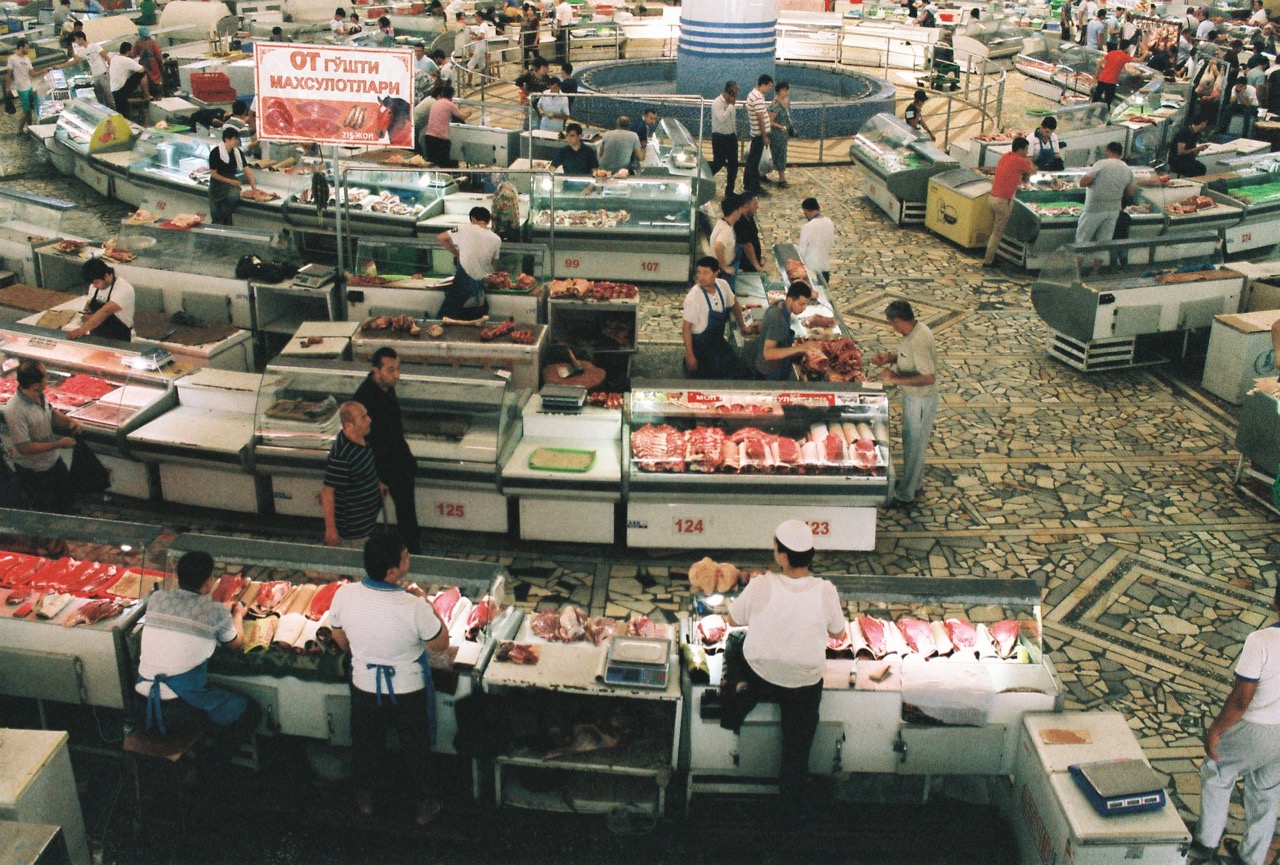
(161, 756)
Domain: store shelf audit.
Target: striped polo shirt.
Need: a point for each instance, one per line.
(353, 475)
(757, 111)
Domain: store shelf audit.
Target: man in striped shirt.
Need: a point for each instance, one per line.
(352, 494)
(758, 117)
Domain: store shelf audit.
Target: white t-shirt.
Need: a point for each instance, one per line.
(122, 293)
(338, 26)
(91, 53)
(386, 627)
(1258, 18)
(119, 70)
(722, 233)
(1206, 27)
(477, 249)
(182, 630)
(696, 308)
(20, 68)
(817, 236)
(1249, 98)
(564, 14)
(788, 622)
(451, 11)
(1260, 662)
(724, 116)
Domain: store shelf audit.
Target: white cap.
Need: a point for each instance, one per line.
(795, 536)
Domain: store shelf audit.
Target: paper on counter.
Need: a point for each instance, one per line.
(838, 674)
(1054, 736)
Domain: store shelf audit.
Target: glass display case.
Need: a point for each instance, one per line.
(28, 220)
(680, 155)
(460, 424)
(71, 82)
(1154, 115)
(174, 157)
(597, 40)
(990, 37)
(85, 126)
(67, 641)
(897, 162)
(382, 200)
(290, 665)
(813, 441)
(1252, 183)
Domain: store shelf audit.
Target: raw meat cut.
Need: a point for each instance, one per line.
(445, 601)
(731, 456)
(481, 615)
(788, 450)
(92, 612)
(704, 448)
(572, 624)
(711, 629)
(643, 626)
(1005, 635)
(964, 636)
(323, 599)
(702, 576)
(546, 624)
(842, 643)
(87, 386)
(833, 359)
(271, 594)
(601, 628)
(517, 653)
(834, 448)
(726, 577)
(658, 448)
(877, 637)
(919, 636)
(228, 587)
(17, 597)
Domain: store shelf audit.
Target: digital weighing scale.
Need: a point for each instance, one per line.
(1119, 786)
(563, 399)
(314, 276)
(637, 662)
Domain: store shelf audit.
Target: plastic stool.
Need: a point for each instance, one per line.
(162, 757)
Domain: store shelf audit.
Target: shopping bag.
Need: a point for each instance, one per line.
(766, 160)
(88, 475)
(9, 107)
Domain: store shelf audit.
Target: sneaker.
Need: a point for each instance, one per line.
(1232, 848)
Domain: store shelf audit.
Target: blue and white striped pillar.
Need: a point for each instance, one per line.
(723, 40)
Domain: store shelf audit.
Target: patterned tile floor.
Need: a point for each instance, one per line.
(1113, 491)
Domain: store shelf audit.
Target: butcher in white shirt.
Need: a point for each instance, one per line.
(125, 75)
(92, 54)
(1259, 16)
(563, 20)
(817, 236)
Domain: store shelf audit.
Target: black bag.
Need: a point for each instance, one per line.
(252, 267)
(88, 475)
(9, 107)
(11, 494)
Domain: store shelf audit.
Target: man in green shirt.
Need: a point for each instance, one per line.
(147, 13)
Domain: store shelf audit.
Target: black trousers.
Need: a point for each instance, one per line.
(724, 153)
(438, 150)
(751, 178)
(182, 717)
(49, 490)
(369, 724)
(1104, 93)
(121, 96)
(401, 488)
(799, 725)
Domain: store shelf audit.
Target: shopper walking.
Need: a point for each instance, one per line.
(790, 615)
(817, 236)
(351, 495)
(529, 26)
(1106, 184)
(780, 130)
(147, 52)
(396, 465)
(562, 21)
(758, 119)
(1011, 170)
(389, 627)
(707, 307)
(914, 369)
(20, 78)
(184, 627)
(475, 248)
(724, 135)
(1244, 740)
(39, 432)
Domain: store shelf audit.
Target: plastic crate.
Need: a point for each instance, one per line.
(212, 87)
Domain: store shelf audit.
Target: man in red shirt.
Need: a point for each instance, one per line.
(1010, 171)
(1108, 73)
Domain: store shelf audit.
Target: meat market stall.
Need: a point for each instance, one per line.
(598, 321)
(1220, 153)
(674, 152)
(72, 588)
(382, 201)
(893, 163)
(1128, 316)
(28, 220)
(1057, 74)
(1082, 131)
(200, 446)
(1188, 207)
(108, 387)
(1153, 115)
(992, 39)
(1253, 182)
(498, 349)
(708, 465)
(619, 738)
(411, 275)
(637, 229)
(461, 426)
(568, 462)
(886, 42)
(1258, 436)
(931, 677)
(86, 129)
(289, 664)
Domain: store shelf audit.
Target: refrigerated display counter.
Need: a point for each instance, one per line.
(87, 128)
(28, 220)
(1082, 132)
(1102, 313)
(992, 38)
(1252, 182)
(707, 465)
(636, 229)
(809, 36)
(378, 202)
(1153, 114)
(1187, 206)
(959, 207)
(887, 42)
(674, 152)
(894, 163)
(461, 426)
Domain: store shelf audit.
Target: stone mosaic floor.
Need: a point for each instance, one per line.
(1113, 491)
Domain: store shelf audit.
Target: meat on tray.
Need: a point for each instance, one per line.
(445, 601)
(87, 386)
(1005, 635)
(323, 599)
(919, 636)
(963, 635)
(488, 334)
(600, 629)
(518, 653)
(401, 323)
(92, 612)
(585, 289)
(524, 336)
(703, 449)
(833, 359)
(605, 399)
(546, 624)
(567, 625)
(499, 280)
(480, 616)
(270, 595)
(659, 448)
(643, 626)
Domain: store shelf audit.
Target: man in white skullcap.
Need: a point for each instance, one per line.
(789, 616)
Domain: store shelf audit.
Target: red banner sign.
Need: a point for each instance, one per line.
(334, 95)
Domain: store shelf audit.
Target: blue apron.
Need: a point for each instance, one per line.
(464, 299)
(223, 707)
(716, 358)
(387, 673)
(1044, 151)
(783, 372)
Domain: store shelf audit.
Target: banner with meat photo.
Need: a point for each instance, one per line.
(334, 95)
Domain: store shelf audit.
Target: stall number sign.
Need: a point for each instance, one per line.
(691, 525)
(334, 94)
(452, 510)
(576, 264)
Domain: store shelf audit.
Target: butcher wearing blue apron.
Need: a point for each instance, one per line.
(707, 306)
(389, 627)
(777, 338)
(183, 627)
(475, 249)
